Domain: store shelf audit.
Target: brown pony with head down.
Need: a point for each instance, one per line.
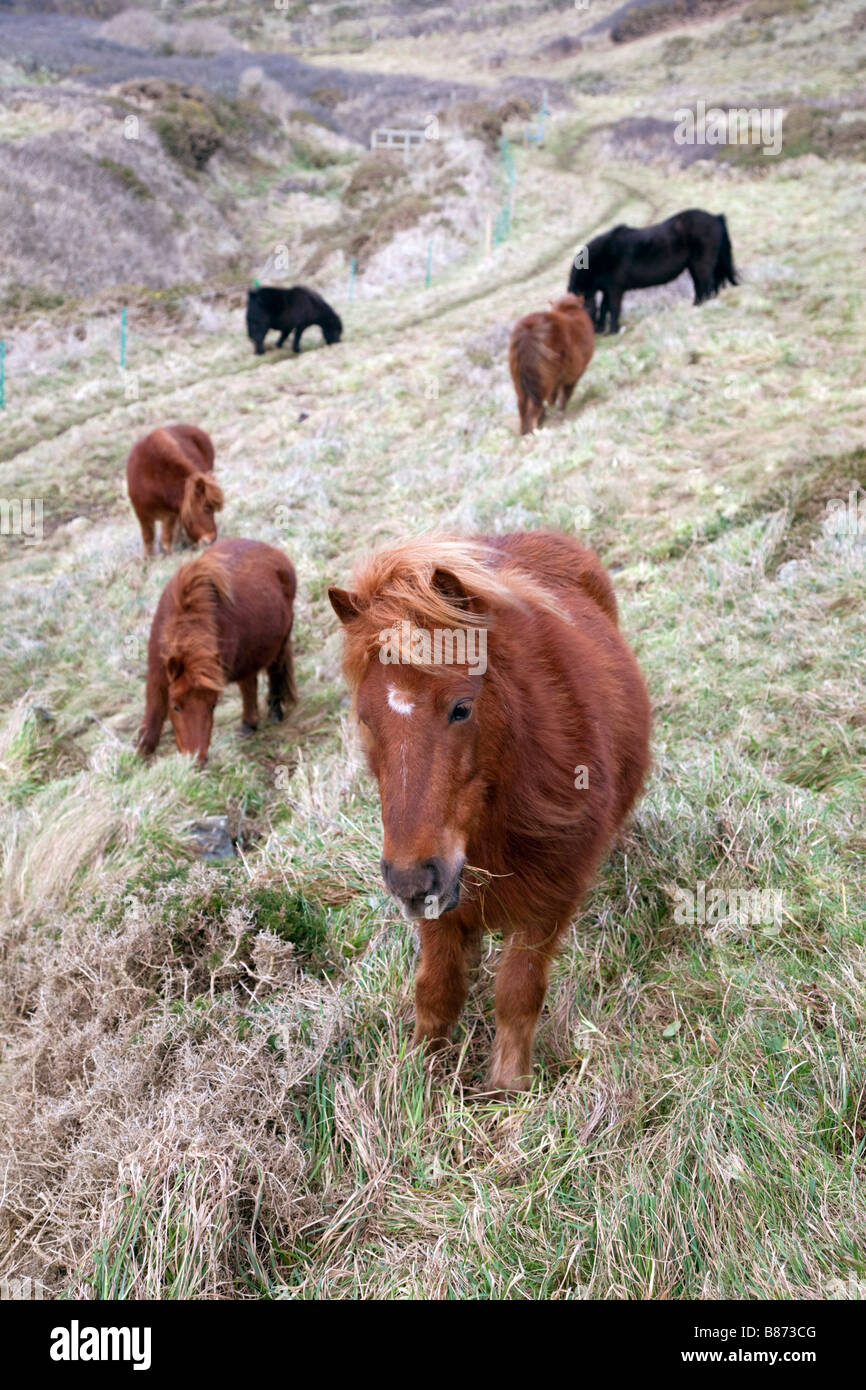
(507, 723)
(548, 354)
(223, 617)
(169, 477)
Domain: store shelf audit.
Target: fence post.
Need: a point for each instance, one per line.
(123, 338)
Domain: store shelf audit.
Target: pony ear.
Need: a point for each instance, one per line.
(346, 606)
(449, 586)
(200, 486)
(174, 668)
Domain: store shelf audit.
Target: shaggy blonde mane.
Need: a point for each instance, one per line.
(213, 497)
(437, 581)
(191, 635)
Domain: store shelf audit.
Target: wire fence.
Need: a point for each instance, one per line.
(498, 227)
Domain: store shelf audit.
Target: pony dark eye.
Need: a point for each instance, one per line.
(176, 707)
(460, 712)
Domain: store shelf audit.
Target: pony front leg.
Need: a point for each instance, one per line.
(441, 982)
(521, 985)
(155, 712)
(148, 537)
(281, 683)
(614, 306)
(250, 695)
(167, 534)
(531, 414)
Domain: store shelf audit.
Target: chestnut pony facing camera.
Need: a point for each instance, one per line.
(502, 780)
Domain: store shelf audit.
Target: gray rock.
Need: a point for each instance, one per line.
(210, 839)
(791, 571)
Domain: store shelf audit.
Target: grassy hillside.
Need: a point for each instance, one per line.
(206, 1086)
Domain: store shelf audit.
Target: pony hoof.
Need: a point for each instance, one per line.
(276, 713)
(486, 1095)
(505, 1091)
(247, 730)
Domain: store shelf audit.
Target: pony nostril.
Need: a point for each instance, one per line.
(415, 883)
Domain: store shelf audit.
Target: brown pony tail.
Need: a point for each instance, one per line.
(523, 361)
(533, 360)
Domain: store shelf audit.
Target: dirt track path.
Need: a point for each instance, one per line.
(553, 262)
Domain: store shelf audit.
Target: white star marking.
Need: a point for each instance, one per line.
(397, 701)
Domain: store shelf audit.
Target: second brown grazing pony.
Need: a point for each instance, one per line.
(222, 617)
(548, 354)
(502, 780)
(169, 474)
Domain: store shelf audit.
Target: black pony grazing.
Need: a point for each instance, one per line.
(289, 311)
(633, 258)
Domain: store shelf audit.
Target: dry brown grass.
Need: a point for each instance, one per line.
(158, 1137)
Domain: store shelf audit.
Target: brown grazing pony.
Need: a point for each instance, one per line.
(169, 477)
(548, 354)
(222, 617)
(502, 780)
